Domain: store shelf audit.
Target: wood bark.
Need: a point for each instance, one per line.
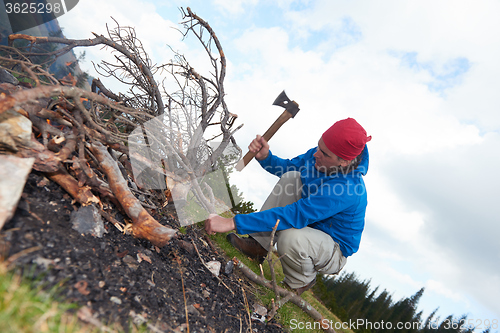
(82, 194)
(144, 225)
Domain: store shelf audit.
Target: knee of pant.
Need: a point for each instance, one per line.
(290, 184)
(289, 242)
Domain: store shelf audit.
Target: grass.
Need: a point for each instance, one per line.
(26, 308)
(289, 315)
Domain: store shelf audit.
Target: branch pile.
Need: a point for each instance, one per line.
(72, 149)
(96, 144)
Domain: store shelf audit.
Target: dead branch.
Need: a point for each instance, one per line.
(204, 264)
(97, 84)
(143, 67)
(81, 194)
(271, 263)
(32, 95)
(45, 160)
(66, 118)
(294, 298)
(144, 226)
(183, 292)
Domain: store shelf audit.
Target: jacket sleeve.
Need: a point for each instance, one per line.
(300, 214)
(278, 166)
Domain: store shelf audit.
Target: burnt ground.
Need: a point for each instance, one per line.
(118, 274)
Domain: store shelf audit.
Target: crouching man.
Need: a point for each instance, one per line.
(320, 201)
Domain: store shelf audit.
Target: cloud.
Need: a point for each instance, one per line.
(418, 79)
(458, 187)
(421, 77)
(234, 7)
(439, 288)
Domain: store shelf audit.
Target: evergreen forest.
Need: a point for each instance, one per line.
(354, 301)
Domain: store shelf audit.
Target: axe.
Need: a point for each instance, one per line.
(291, 109)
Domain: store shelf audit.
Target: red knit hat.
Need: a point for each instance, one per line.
(346, 138)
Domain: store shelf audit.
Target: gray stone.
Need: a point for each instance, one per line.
(87, 220)
(14, 172)
(115, 300)
(131, 262)
(6, 77)
(15, 130)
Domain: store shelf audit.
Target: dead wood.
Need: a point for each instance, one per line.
(82, 194)
(144, 68)
(97, 84)
(144, 225)
(294, 298)
(188, 109)
(275, 305)
(35, 94)
(74, 128)
(45, 160)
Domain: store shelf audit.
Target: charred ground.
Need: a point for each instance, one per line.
(117, 276)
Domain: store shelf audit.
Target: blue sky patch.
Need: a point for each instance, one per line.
(330, 38)
(444, 75)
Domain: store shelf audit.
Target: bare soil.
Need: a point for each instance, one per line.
(117, 275)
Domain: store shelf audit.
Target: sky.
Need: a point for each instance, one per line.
(422, 77)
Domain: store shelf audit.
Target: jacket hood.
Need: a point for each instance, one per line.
(363, 165)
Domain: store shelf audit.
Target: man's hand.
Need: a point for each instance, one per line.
(216, 223)
(260, 146)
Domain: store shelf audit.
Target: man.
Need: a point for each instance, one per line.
(320, 202)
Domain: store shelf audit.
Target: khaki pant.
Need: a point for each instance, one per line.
(307, 250)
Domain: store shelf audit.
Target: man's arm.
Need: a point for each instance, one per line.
(317, 207)
(216, 223)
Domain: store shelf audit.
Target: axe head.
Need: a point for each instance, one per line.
(291, 106)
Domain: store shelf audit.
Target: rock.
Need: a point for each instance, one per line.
(131, 262)
(137, 319)
(6, 77)
(14, 172)
(181, 328)
(214, 267)
(44, 262)
(229, 267)
(87, 220)
(192, 310)
(259, 313)
(115, 300)
(186, 246)
(15, 131)
(259, 309)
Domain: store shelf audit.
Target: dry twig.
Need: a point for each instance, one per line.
(294, 298)
(204, 264)
(271, 262)
(183, 292)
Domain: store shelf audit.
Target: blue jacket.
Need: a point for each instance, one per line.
(334, 204)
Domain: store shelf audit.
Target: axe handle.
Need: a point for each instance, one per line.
(283, 118)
